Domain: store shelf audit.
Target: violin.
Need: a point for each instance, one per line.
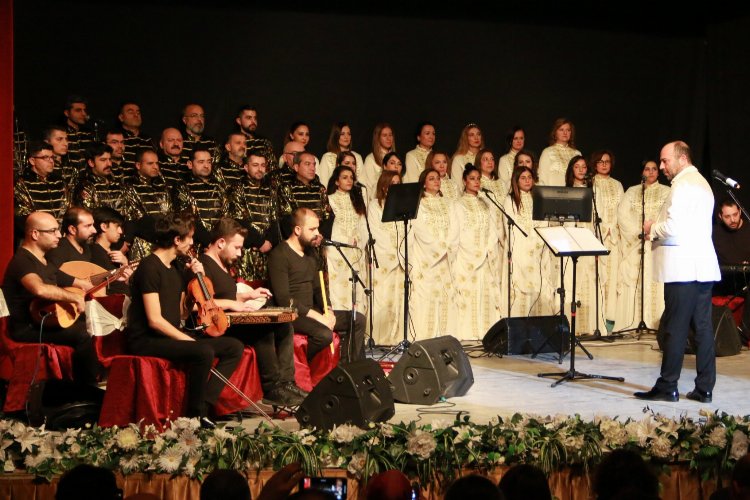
(211, 318)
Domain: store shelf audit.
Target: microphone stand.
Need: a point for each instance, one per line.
(354, 279)
(372, 258)
(511, 223)
(642, 327)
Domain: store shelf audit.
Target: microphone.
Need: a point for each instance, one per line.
(331, 243)
(643, 179)
(487, 191)
(360, 185)
(727, 181)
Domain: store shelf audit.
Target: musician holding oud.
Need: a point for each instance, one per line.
(158, 308)
(78, 228)
(31, 276)
(273, 342)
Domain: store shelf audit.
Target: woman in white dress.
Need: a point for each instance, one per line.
(469, 144)
(433, 241)
(554, 160)
(388, 279)
(349, 211)
(298, 132)
(490, 180)
(516, 140)
(577, 175)
(628, 313)
(416, 159)
(526, 158)
(532, 285)
(476, 271)
(383, 142)
(607, 195)
(439, 161)
(339, 140)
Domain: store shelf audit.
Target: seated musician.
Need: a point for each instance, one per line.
(158, 308)
(30, 275)
(294, 276)
(78, 229)
(273, 343)
(108, 224)
(731, 235)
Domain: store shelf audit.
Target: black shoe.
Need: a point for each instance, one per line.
(657, 395)
(279, 396)
(206, 423)
(295, 389)
(700, 396)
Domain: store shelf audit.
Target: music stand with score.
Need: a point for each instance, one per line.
(568, 204)
(402, 204)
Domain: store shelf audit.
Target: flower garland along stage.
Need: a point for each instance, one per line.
(433, 453)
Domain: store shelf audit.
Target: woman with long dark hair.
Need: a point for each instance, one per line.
(339, 141)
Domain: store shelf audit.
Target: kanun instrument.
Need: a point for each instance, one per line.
(263, 316)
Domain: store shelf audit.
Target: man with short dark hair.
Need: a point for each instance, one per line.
(131, 121)
(116, 140)
(40, 187)
(30, 275)
(731, 236)
(70, 168)
(235, 149)
(305, 191)
(76, 119)
(97, 187)
(78, 231)
(294, 274)
(247, 121)
(108, 224)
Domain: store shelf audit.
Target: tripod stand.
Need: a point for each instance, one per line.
(642, 328)
(576, 244)
(355, 279)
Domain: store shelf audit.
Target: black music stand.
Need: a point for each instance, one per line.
(573, 242)
(402, 204)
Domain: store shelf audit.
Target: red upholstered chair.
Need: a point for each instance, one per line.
(307, 375)
(55, 362)
(152, 390)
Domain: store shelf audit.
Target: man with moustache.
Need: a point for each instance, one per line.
(194, 121)
(294, 277)
(251, 203)
(97, 187)
(685, 261)
(306, 191)
(115, 140)
(30, 275)
(171, 163)
(731, 236)
(230, 165)
(78, 230)
(130, 122)
(145, 195)
(273, 343)
(247, 121)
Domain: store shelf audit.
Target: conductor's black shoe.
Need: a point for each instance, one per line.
(700, 396)
(657, 395)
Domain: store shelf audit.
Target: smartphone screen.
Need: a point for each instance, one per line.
(334, 485)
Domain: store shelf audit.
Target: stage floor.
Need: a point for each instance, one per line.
(508, 385)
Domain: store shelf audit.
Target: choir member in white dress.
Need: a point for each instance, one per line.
(607, 194)
(526, 158)
(476, 268)
(577, 175)
(516, 140)
(299, 133)
(469, 144)
(490, 180)
(439, 161)
(383, 142)
(349, 218)
(433, 241)
(388, 279)
(554, 160)
(416, 158)
(339, 140)
(532, 282)
(628, 313)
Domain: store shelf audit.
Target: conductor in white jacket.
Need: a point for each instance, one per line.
(685, 261)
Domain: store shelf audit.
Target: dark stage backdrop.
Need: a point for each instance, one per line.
(628, 92)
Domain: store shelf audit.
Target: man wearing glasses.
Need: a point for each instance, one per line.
(29, 276)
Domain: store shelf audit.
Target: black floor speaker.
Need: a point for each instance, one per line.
(356, 393)
(431, 369)
(527, 335)
(726, 336)
(64, 404)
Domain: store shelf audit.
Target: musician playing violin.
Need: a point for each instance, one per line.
(273, 343)
(30, 275)
(159, 307)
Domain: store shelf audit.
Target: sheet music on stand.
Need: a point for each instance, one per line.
(571, 241)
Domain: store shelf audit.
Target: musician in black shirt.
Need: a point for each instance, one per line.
(78, 228)
(158, 308)
(29, 275)
(108, 224)
(273, 343)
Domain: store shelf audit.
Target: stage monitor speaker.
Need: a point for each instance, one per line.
(356, 393)
(527, 335)
(64, 404)
(431, 369)
(726, 336)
